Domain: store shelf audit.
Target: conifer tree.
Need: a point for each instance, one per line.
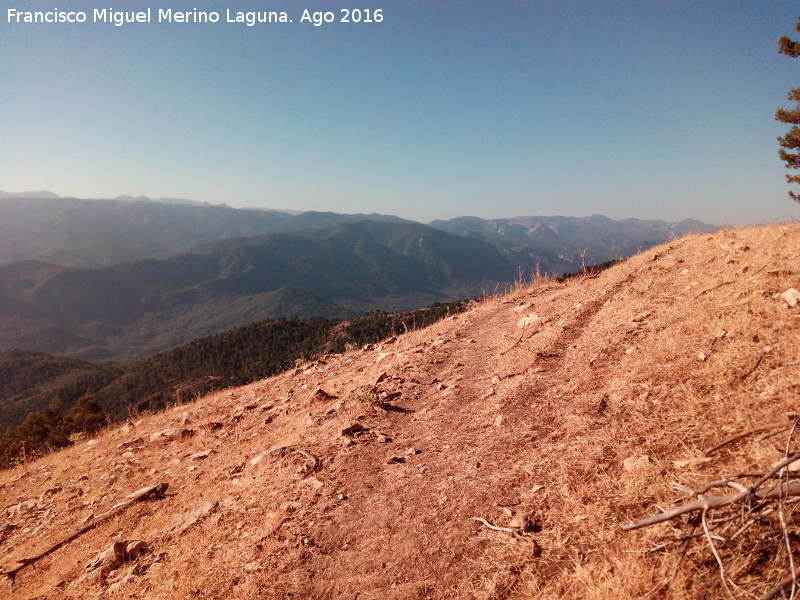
(791, 141)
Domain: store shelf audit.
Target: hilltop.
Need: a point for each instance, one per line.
(495, 454)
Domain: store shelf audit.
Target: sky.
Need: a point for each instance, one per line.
(633, 109)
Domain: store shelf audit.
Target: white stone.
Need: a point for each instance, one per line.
(791, 297)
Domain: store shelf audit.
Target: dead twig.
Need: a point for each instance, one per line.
(740, 436)
(495, 528)
(514, 345)
(747, 373)
(681, 556)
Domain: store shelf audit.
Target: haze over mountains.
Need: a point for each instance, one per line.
(122, 279)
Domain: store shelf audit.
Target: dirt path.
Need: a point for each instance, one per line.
(469, 396)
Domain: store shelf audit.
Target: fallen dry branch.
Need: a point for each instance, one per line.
(153, 491)
(733, 514)
(783, 490)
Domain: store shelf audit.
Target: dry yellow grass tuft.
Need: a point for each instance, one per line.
(496, 454)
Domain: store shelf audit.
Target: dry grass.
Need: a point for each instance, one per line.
(493, 421)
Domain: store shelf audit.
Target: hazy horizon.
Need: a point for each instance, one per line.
(188, 201)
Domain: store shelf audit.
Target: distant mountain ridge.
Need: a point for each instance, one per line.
(39, 194)
(100, 233)
(603, 238)
(97, 233)
(131, 310)
(122, 279)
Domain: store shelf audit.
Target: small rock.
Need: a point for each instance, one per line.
(395, 460)
(212, 426)
(314, 483)
(130, 444)
(321, 395)
(115, 556)
(532, 319)
(202, 455)
(354, 429)
(791, 297)
(641, 316)
(522, 522)
(188, 519)
(701, 356)
(252, 567)
(498, 420)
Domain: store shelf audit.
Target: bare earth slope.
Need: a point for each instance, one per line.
(556, 413)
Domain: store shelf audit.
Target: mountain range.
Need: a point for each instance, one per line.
(121, 279)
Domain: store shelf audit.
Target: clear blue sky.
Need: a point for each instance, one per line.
(648, 109)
